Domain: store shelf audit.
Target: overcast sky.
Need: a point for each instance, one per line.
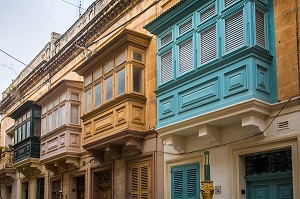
(25, 27)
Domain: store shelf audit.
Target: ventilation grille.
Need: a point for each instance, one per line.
(234, 31)
(206, 14)
(208, 44)
(186, 56)
(186, 26)
(282, 125)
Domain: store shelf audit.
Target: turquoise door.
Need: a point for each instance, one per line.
(270, 189)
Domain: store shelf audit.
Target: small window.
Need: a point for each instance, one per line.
(98, 73)
(56, 102)
(186, 26)
(44, 125)
(108, 66)
(49, 118)
(88, 99)
(50, 106)
(62, 115)
(108, 88)
(74, 114)
(97, 95)
(137, 79)
(74, 96)
(88, 80)
(137, 56)
(62, 97)
(55, 118)
(121, 82)
(228, 2)
(207, 13)
(28, 129)
(120, 58)
(166, 39)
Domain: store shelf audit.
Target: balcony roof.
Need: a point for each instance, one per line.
(24, 107)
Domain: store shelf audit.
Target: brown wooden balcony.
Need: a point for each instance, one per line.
(7, 171)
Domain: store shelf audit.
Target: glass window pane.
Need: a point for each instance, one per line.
(37, 113)
(137, 56)
(55, 118)
(24, 117)
(37, 128)
(49, 117)
(108, 66)
(97, 93)
(20, 134)
(74, 114)
(28, 114)
(108, 88)
(16, 136)
(62, 115)
(24, 131)
(74, 96)
(56, 102)
(98, 73)
(121, 81)
(44, 125)
(88, 80)
(88, 99)
(137, 79)
(50, 106)
(28, 129)
(63, 97)
(120, 58)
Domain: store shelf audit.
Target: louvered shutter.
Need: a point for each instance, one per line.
(140, 181)
(166, 67)
(260, 28)
(228, 2)
(166, 39)
(234, 31)
(134, 182)
(177, 183)
(208, 44)
(192, 184)
(145, 181)
(186, 26)
(186, 58)
(206, 14)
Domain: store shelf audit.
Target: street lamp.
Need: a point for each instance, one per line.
(207, 187)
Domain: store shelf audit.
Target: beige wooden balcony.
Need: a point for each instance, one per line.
(7, 171)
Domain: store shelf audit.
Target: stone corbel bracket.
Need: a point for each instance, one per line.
(176, 141)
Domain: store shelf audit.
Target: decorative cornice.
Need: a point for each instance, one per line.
(126, 37)
(57, 89)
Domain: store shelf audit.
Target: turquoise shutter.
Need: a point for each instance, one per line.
(186, 56)
(192, 184)
(208, 44)
(234, 31)
(166, 67)
(185, 182)
(228, 2)
(260, 28)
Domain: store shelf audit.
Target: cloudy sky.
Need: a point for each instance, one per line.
(25, 27)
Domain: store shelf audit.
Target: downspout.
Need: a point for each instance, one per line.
(297, 36)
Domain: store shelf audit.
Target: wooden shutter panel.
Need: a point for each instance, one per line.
(192, 184)
(177, 183)
(234, 31)
(166, 39)
(208, 44)
(260, 28)
(186, 58)
(228, 2)
(134, 182)
(166, 67)
(145, 181)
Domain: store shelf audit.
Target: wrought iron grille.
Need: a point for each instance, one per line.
(280, 161)
(104, 178)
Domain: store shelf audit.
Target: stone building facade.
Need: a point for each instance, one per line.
(125, 102)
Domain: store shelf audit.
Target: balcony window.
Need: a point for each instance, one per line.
(208, 34)
(110, 79)
(74, 114)
(62, 115)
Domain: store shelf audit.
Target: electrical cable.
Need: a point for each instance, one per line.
(73, 4)
(13, 57)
